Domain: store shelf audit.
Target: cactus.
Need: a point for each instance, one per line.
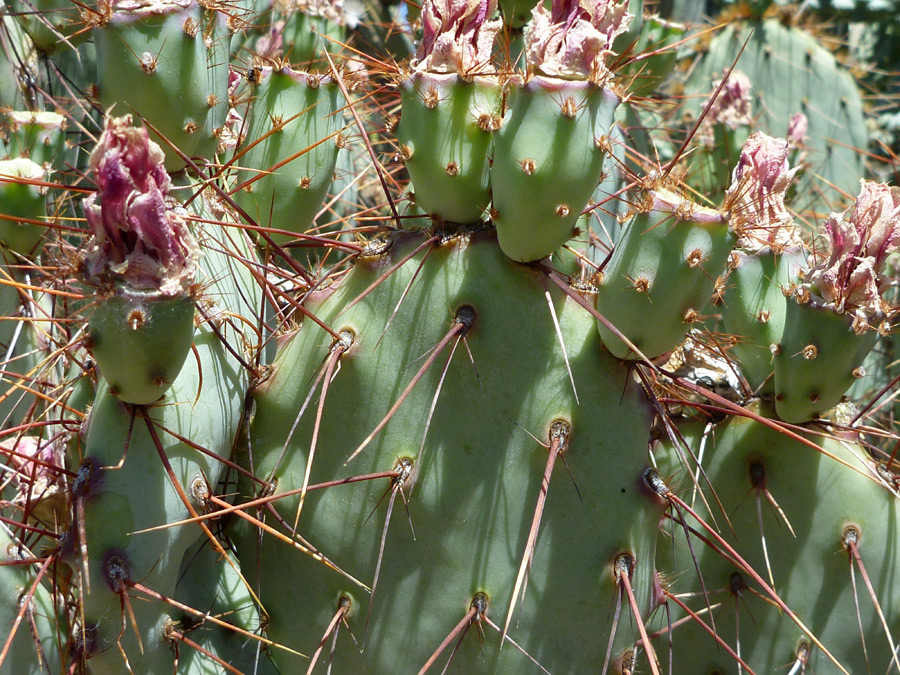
(472, 357)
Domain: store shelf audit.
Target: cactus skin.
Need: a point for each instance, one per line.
(664, 266)
(445, 136)
(141, 342)
(167, 62)
(21, 201)
(105, 491)
(542, 179)
(293, 132)
(471, 452)
(811, 571)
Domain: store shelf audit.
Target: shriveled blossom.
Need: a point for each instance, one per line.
(732, 105)
(140, 238)
(755, 197)
(37, 465)
(458, 36)
(798, 127)
(574, 38)
(859, 240)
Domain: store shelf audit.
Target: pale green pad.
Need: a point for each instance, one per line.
(547, 163)
(445, 130)
(479, 480)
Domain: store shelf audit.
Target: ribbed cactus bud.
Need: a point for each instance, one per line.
(662, 272)
(723, 131)
(142, 260)
(450, 105)
(22, 199)
(840, 308)
(549, 153)
(39, 136)
(767, 258)
(292, 145)
(167, 60)
(301, 29)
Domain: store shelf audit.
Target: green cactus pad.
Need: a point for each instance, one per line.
(167, 62)
(473, 495)
(821, 493)
(548, 158)
(819, 358)
(39, 136)
(754, 307)
(127, 487)
(662, 273)
(791, 71)
(140, 342)
(21, 200)
(446, 142)
(293, 134)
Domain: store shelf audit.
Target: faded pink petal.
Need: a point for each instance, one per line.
(798, 128)
(457, 37)
(573, 39)
(755, 197)
(37, 466)
(138, 236)
(859, 241)
(732, 105)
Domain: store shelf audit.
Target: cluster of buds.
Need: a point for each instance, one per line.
(851, 279)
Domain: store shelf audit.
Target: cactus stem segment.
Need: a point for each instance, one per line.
(624, 570)
(850, 538)
(560, 432)
(462, 323)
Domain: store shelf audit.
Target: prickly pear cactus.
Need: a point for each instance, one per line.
(441, 338)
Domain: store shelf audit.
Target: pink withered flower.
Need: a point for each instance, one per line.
(798, 127)
(574, 38)
(458, 37)
(755, 197)
(140, 238)
(859, 240)
(733, 103)
(37, 466)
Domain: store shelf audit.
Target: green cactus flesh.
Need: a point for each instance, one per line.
(293, 132)
(141, 341)
(548, 157)
(768, 485)
(168, 65)
(445, 135)
(474, 432)
(664, 266)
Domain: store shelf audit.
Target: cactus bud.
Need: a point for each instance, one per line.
(144, 259)
(140, 239)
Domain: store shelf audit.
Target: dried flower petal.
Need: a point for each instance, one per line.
(798, 128)
(458, 38)
(138, 236)
(755, 197)
(852, 280)
(573, 39)
(732, 105)
(37, 466)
